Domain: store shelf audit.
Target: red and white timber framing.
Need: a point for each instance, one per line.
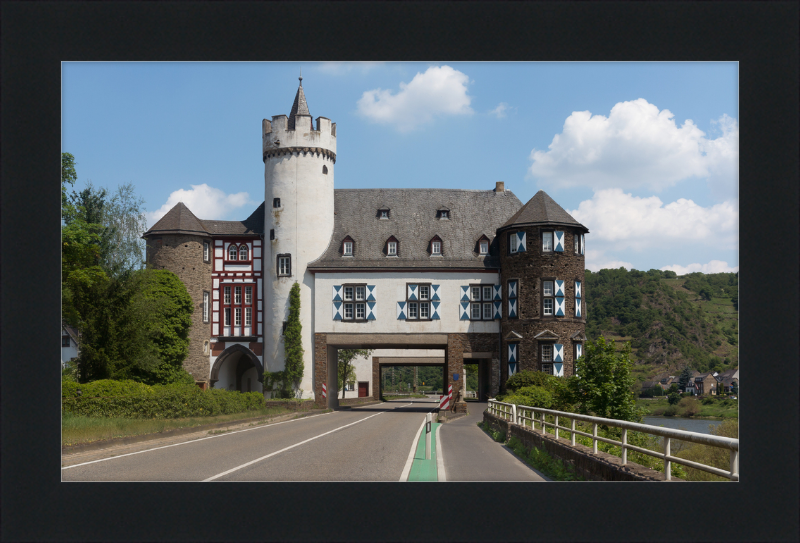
(237, 287)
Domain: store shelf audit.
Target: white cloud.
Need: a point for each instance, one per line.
(441, 90)
(715, 266)
(204, 201)
(501, 111)
(597, 260)
(638, 146)
(623, 221)
(342, 68)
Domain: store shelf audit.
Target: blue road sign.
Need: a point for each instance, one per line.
(455, 377)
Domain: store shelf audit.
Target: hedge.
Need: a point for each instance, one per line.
(155, 402)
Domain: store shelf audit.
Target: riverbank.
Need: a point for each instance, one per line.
(711, 408)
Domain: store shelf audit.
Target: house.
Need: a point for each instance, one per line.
(706, 383)
(727, 378)
(423, 276)
(69, 344)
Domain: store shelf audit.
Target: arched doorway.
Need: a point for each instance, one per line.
(237, 368)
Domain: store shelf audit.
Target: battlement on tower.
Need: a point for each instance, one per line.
(276, 134)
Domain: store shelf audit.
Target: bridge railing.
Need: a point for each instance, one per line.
(531, 416)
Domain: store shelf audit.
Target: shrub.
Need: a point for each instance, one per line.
(532, 396)
(674, 398)
(711, 456)
(104, 387)
(161, 401)
(671, 411)
(658, 412)
(529, 378)
(690, 406)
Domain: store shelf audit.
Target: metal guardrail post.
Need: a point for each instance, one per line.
(556, 427)
(514, 413)
(734, 464)
(594, 438)
(624, 446)
(573, 432)
(544, 424)
(667, 463)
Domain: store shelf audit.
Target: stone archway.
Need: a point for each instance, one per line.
(245, 360)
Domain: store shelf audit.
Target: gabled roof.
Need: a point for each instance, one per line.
(413, 223)
(299, 107)
(178, 220)
(541, 209)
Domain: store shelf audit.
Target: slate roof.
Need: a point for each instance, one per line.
(299, 107)
(180, 220)
(541, 209)
(412, 220)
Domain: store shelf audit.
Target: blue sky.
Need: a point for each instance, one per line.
(644, 154)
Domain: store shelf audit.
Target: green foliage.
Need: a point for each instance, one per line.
(685, 377)
(671, 411)
(711, 456)
(604, 387)
(542, 461)
(673, 398)
(345, 370)
(690, 407)
(136, 400)
(293, 343)
(277, 384)
(529, 378)
(735, 388)
(532, 396)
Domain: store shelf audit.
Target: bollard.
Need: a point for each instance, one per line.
(428, 436)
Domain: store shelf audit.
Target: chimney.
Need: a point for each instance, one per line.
(500, 187)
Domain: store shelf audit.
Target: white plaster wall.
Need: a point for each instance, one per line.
(255, 386)
(226, 377)
(390, 289)
(303, 226)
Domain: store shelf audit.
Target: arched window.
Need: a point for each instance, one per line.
(325, 170)
(243, 251)
(435, 246)
(392, 247)
(232, 251)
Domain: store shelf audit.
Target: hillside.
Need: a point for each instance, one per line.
(670, 321)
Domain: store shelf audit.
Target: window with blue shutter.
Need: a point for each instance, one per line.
(521, 242)
(337, 302)
(558, 242)
(401, 311)
(513, 289)
(583, 244)
(513, 358)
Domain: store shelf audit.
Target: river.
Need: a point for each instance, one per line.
(690, 425)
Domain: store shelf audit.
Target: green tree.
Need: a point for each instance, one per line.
(683, 380)
(605, 384)
(293, 341)
(346, 371)
(735, 388)
(68, 177)
(674, 398)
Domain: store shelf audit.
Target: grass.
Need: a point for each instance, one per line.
(388, 397)
(77, 429)
(713, 406)
(711, 456)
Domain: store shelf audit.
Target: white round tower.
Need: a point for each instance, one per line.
(298, 192)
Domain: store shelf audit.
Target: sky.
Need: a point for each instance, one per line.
(643, 154)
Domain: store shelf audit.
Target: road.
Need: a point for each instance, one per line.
(372, 443)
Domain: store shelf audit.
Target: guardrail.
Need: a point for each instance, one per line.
(521, 414)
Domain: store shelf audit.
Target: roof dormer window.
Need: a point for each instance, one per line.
(482, 246)
(443, 213)
(348, 246)
(392, 247)
(383, 213)
(435, 246)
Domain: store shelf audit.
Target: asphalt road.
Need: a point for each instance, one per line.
(372, 443)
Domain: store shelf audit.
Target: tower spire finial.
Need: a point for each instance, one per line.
(301, 77)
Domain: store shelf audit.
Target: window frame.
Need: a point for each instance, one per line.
(354, 302)
(65, 339)
(236, 309)
(544, 363)
(392, 244)
(436, 242)
(551, 297)
(443, 214)
(206, 306)
(206, 251)
(552, 240)
(485, 298)
(512, 247)
(347, 244)
(481, 243)
(576, 241)
(244, 247)
(276, 203)
(419, 303)
(288, 258)
(233, 252)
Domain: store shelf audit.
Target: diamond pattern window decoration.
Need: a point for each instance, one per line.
(559, 312)
(577, 289)
(498, 292)
(520, 241)
(337, 311)
(558, 352)
(371, 311)
(513, 289)
(577, 307)
(435, 292)
(498, 308)
(464, 311)
(337, 293)
(559, 242)
(435, 311)
(413, 292)
(401, 311)
(559, 288)
(371, 293)
(513, 349)
(465, 293)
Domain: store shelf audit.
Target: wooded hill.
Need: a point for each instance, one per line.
(670, 321)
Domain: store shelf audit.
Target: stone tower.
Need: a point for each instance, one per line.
(298, 222)
(180, 243)
(542, 271)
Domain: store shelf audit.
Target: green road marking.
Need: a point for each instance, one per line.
(421, 469)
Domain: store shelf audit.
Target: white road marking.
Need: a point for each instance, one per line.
(289, 447)
(440, 475)
(410, 460)
(196, 440)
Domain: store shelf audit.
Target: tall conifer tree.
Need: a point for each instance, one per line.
(293, 341)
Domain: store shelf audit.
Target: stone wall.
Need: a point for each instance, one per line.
(320, 368)
(183, 255)
(457, 345)
(530, 268)
(592, 467)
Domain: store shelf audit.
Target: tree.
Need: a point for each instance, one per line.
(683, 380)
(345, 370)
(293, 341)
(735, 388)
(605, 385)
(674, 398)
(68, 177)
(124, 217)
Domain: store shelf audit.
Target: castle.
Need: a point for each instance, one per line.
(424, 276)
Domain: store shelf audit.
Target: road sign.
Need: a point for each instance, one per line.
(455, 377)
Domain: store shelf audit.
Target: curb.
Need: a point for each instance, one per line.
(104, 443)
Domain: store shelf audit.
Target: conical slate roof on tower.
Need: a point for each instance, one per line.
(300, 106)
(541, 209)
(178, 220)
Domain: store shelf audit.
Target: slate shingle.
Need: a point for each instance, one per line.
(541, 209)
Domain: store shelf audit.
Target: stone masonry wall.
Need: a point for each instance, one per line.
(457, 345)
(530, 268)
(183, 255)
(320, 368)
